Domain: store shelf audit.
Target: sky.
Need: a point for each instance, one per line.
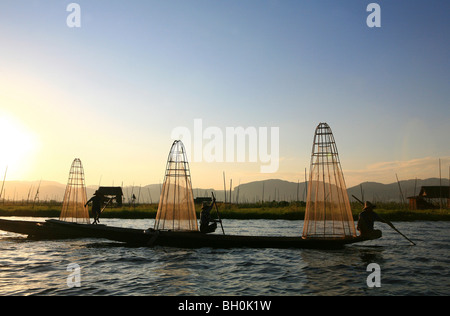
(115, 90)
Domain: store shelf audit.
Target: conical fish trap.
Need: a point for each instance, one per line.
(74, 209)
(328, 213)
(176, 209)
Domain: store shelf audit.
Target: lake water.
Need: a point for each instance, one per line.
(107, 268)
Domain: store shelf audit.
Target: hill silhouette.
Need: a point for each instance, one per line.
(256, 191)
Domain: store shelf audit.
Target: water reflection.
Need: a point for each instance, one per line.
(369, 254)
(109, 268)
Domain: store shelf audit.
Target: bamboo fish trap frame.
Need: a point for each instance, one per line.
(176, 209)
(74, 209)
(328, 213)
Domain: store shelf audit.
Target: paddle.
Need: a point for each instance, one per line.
(393, 227)
(217, 211)
(107, 203)
(389, 223)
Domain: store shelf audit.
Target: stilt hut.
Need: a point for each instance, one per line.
(328, 213)
(115, 193)
(430, 197)
(176, 209)
(74, 209)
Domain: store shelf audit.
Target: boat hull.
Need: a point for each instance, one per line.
(181, 239)
(55, 229)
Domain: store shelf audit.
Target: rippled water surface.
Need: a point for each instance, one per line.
(40, 267)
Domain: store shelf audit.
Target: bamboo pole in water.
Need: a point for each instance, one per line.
(224, 189)
(440, 186)
(231, 185)
(3, 184)
(401, 193)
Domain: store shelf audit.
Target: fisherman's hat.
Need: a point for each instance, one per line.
(368, 205)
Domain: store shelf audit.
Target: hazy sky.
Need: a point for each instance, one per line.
(112, 91)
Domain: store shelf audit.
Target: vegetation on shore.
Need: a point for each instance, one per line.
(269, 210)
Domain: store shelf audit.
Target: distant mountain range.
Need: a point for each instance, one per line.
(280, 190)
(267, 190)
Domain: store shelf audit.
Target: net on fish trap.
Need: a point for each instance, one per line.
(176, 209)
(328, 213)
(74, 209)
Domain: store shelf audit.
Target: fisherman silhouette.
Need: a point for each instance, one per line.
(366, 220)
(97, 203)
(205, 218)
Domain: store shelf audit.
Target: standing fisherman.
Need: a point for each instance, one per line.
(97, 203)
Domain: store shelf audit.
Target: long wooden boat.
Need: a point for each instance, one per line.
(181, 239)
(55, 229)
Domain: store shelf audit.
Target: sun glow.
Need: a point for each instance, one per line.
(17, 146)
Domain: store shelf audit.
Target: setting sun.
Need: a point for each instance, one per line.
(18, 146)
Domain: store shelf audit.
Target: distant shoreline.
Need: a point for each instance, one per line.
(289, 212)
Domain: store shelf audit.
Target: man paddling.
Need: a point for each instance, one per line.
(366, 220)
(368, 217)
(205, 218)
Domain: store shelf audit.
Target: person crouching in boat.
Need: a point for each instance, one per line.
(205, 219)
(366, 220)
(97, 203)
